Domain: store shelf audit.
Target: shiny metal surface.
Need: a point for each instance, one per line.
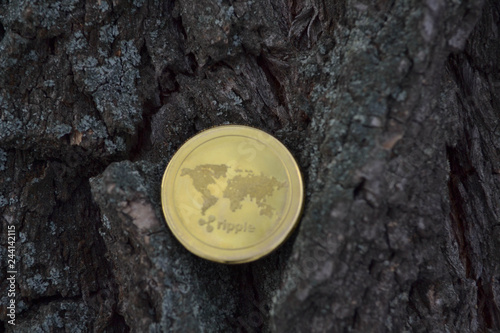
(232, 194)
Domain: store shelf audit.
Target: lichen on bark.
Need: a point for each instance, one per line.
(390, 108)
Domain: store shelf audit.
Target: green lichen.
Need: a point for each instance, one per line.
(108, 33)
(89, 123)
(3, 201)
(113, 86)
(60, 130)
(37, 283)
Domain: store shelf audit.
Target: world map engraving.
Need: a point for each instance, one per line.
(257, 187)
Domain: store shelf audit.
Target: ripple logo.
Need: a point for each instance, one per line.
(211, 219)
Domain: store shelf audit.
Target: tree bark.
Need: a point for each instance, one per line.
(391, 108)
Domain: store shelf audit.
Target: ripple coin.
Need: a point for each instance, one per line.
(232, 194)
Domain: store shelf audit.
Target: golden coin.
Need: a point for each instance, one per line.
(232, 194)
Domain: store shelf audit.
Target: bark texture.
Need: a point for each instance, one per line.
(392, 109)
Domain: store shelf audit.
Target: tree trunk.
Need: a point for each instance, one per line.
(392, 109)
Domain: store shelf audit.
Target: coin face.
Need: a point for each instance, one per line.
(232, 194)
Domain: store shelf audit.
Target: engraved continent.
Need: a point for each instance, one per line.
(202, 176)
(256, 187)
(244, 184)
